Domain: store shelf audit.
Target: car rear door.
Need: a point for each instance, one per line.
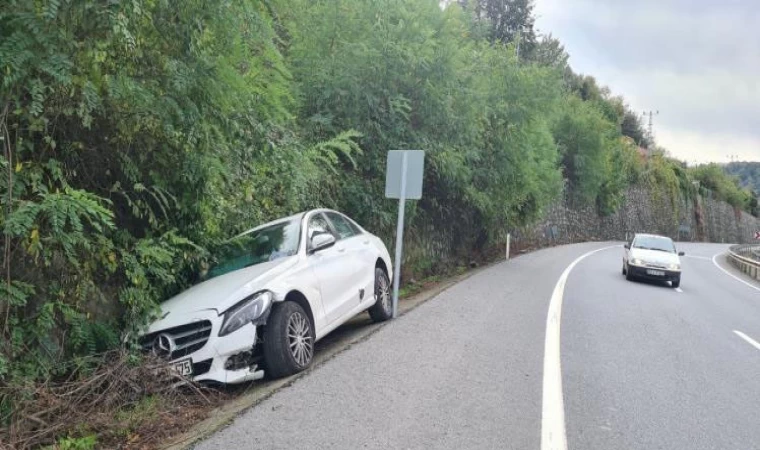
(359, 273)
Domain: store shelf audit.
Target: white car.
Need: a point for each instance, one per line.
(274, 291)
(652, 257)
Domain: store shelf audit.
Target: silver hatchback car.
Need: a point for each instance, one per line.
(652, 257)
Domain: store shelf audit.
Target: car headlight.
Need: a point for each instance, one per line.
(246, 311)
(636, 262)
(674, 267)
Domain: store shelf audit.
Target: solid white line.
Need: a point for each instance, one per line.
(553, 434)
(714, 260)
(679, 290)
(751, 341)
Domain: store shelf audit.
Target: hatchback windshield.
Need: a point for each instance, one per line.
(654, 243)
(262, 245)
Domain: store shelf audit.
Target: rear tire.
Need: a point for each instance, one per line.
(382, 310)
(288, 340)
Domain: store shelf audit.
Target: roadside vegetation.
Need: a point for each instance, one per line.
(138, 135)
(748, 174)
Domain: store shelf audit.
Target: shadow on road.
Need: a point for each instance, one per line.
(324, 349)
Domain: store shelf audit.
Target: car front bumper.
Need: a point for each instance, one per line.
(654, 273)
(218, 359)
(219, 350)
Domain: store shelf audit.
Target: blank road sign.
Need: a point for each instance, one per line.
(415, 162)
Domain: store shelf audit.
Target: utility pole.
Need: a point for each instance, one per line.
(517, 49)
(650, 130)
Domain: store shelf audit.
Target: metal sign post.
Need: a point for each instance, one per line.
(403, 180)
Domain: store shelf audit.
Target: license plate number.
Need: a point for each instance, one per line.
(655, 273)
(184, 367)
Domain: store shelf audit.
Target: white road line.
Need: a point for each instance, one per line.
(553, 434)
(679, 290)
(715, 261)
(706, 258)
(751, 341)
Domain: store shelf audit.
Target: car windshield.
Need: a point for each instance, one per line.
(265, 244)
(654, 243)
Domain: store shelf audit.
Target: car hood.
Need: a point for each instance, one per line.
(219, 293)
(655, 257)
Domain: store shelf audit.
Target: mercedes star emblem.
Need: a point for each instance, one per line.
(163, 345)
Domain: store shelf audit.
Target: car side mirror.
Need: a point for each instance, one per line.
(628, 246)
(681, 253)
(321, 242)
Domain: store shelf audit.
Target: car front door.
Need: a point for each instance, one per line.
(362, 259)
(331, 267)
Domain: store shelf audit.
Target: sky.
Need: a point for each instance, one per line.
(697, 62)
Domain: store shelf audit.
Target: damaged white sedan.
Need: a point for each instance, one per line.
(274, 291)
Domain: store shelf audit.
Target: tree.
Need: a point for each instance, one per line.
(588, 144)
(509, 21)
(632, 127)
(748, 174)
(550, 52)
(714, 178)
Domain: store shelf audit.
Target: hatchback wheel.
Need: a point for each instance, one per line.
(382, 310)
(288, 340)
(628, 275)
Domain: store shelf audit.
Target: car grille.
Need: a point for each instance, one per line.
(187, 338)
(656, 266)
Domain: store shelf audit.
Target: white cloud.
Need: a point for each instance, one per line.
(696, 147)
(696, 61)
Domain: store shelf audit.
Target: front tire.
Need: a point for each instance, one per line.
(676, 283)
(382, 310)
(288, 340)
(628, 275)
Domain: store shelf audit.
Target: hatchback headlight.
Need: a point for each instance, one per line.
(636, 262)
(249, 310)
(674, 267)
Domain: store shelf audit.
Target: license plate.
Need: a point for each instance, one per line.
(184, 367)
(655, 273)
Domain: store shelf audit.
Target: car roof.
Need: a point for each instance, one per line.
(651, 235)
(297, 216)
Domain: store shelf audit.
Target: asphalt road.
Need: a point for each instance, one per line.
(647, 367)
(644, 366)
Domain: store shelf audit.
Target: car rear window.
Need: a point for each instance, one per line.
(342, 226)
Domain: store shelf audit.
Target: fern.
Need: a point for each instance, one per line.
(17, 293)
(343, 145)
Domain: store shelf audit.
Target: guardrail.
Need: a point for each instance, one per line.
(746, 258)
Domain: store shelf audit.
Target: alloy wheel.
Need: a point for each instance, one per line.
(299, 339)
(382, 292)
